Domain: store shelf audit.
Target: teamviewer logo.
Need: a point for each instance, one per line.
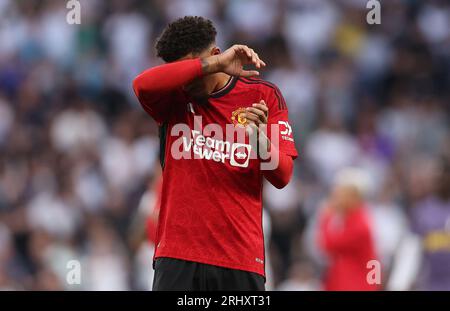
(240, 155)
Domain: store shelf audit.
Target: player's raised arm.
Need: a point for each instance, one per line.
(167, 77)
(153, 87)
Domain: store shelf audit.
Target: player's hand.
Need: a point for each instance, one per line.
(256, 118)
(232, 61)
(257, 114)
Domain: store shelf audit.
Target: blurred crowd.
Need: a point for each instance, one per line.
(79, 162)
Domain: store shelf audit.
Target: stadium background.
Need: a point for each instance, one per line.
(78, 156)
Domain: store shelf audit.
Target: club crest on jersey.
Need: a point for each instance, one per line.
(237, 117)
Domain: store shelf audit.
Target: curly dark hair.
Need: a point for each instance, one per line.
(189, 34)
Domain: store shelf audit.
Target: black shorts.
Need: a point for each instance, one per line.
(182, 275)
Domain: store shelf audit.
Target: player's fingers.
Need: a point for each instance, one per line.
(249, 73)
(251, 55)
(260, 62)
(256, 111)
(253, 117)
(254, 58)
(246, 50)
(249, 52)
(260, 113)
(256, 61)
(240, 50)
(261, 105)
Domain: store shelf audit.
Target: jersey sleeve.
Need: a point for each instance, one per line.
(159, 108)
(158, 88)
(278, 115)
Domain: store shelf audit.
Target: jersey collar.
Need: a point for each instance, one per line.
(225, 89)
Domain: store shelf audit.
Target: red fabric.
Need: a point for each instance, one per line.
(152, 220)
(154, 86)
(211, 207)
(348, 243)
(281, 176)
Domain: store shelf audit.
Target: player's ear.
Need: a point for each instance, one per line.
(215, 50)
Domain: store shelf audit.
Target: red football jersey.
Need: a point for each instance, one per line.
(211, 203)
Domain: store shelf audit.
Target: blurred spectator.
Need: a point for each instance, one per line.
(77, 127)
(345, 234)
(301, 277)
(330, 148)
(105, 264)
(431, 221)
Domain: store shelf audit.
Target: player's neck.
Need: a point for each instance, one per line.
(218, 81)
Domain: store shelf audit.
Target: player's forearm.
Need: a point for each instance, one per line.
(280, 176)
(167, 77)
